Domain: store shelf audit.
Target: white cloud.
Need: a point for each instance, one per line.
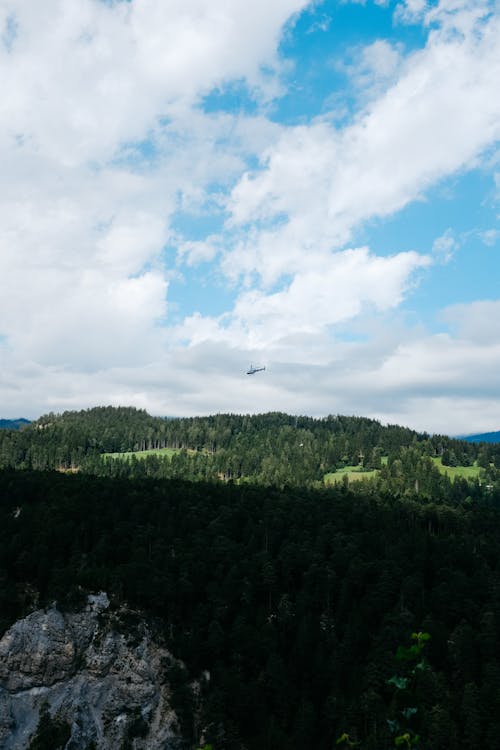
(439, 383)
(320, 297)
(445, 246)
(371, 69)
(131, 239)
(475, 321)
(449, 15)
(436, 382)
(196, 251)
(349, 284)
(323, 23)
(83, 76)
(90, 89)
(489, 236)
(317, 184)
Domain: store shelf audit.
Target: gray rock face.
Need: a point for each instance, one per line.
(108, 681)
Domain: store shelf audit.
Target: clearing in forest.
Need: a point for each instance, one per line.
(357, 473)
(163, 452)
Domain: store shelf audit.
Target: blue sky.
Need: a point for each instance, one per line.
(311, 186)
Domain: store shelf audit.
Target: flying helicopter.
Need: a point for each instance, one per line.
(252, 370)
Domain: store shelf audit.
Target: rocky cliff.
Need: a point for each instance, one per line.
(103, 680)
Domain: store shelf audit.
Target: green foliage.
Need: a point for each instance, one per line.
(271, 449)
(405, 653)
(399, 682)
(293, 596)
(406, 686)
(345, 740)
(294, 601)
(406, 740)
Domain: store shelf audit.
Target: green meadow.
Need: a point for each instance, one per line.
(356, 473)
(163, 452)
(465, 472)
(353, 474)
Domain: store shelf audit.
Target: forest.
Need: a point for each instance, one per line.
(360, 614)
(270, 449)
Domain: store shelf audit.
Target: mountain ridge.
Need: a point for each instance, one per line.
(13, 424)
(482, 437)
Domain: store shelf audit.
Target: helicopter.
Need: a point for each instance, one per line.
(252, 370)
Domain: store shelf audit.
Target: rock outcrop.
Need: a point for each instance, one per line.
(106, 679)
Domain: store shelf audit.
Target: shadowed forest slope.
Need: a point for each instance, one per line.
(294, 601)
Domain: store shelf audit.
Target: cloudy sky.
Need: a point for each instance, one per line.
(192, 186)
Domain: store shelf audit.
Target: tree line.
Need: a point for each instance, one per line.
(274, 448)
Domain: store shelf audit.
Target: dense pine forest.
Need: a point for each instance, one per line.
(272, 449)
(361, 613)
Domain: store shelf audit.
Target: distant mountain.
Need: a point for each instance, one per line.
(485, 437)
(13, 424)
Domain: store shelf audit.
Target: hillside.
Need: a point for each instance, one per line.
(13, 424)
(293, 604)
(287, 563)
(485, 437)
(270, 449)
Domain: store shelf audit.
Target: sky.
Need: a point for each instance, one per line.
(191, 187)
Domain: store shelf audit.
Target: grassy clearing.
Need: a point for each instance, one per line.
(353, 474)
(466, 472)
(162, 452)
(356, 474)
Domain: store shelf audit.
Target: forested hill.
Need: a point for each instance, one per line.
(273, 448)
(118, 429)
(13, 424)
(485, 437)
(298, 604)
(307, 605)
